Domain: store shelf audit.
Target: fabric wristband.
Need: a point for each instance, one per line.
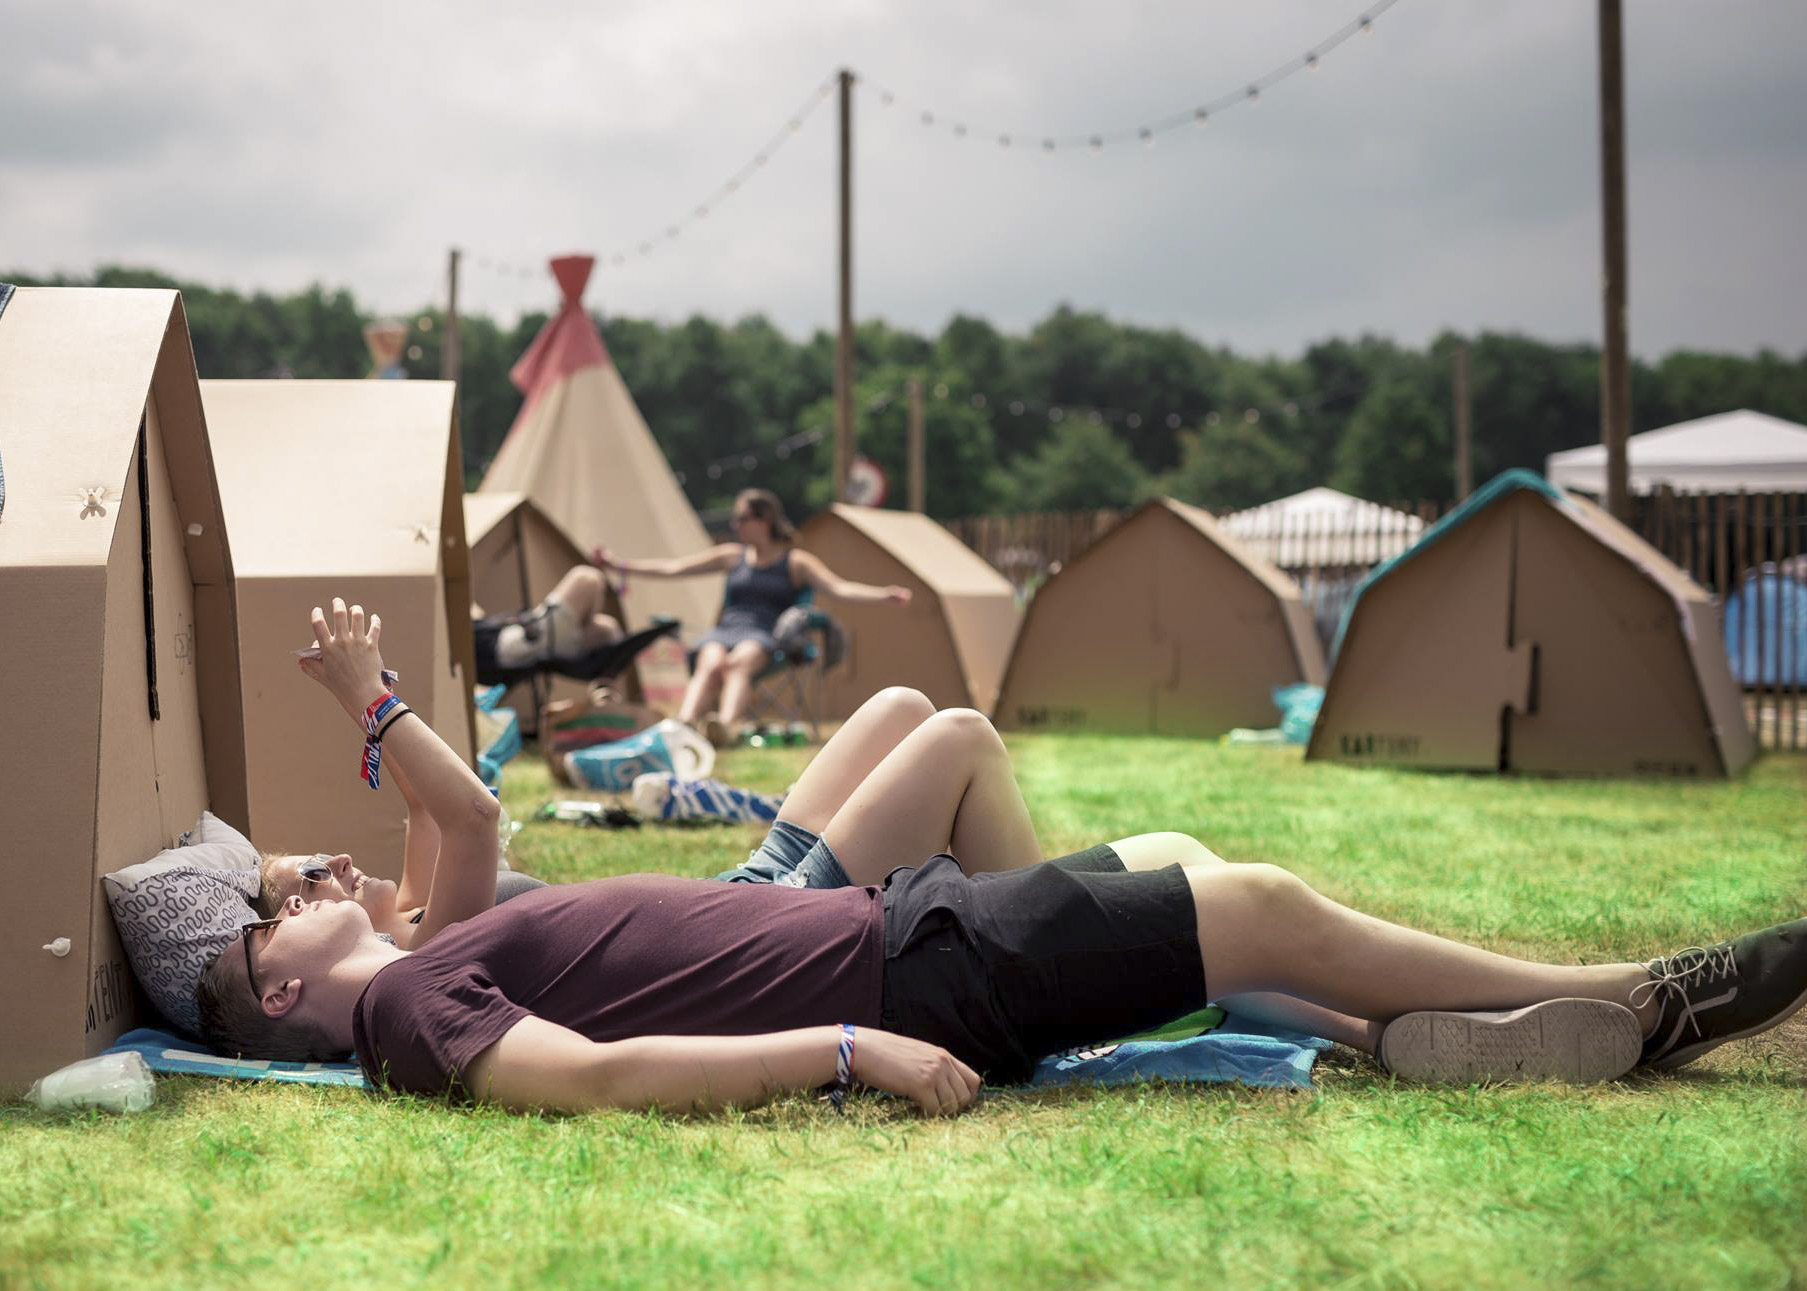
(370, 765)
(843, 1068)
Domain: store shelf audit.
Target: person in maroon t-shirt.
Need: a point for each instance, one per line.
(659, 991)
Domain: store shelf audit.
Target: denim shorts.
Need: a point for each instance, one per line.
(790, 857)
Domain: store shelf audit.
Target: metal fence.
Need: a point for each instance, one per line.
(1748, 549)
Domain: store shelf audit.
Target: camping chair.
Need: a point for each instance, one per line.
(598, 666)
(810, 642)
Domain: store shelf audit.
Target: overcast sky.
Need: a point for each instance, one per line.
(1442, 171)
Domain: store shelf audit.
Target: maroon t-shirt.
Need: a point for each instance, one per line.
(648, 954)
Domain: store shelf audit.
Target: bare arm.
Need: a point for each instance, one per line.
(822, 579)
(713, 561)
(463, 882)
(420, 852)
(541, 1064)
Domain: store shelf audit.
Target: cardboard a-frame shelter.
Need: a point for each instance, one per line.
(950, 642)
(581, 450)
(518, 554)
(1166, 625)
(1530, 631)
(341, 488)
(118, 654)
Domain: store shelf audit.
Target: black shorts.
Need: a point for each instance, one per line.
(485, 631)
(1004, 969)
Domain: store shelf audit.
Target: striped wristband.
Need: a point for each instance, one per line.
(375, 717)
(843, 1067)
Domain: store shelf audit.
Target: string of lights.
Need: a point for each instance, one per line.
(674, 229)
(1200, 115)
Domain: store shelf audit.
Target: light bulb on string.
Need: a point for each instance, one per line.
(1290, 408)
(783, 451)
(959, 130)
(1254, 93)
(978, 401)
(1367, 25)
(928, 118)
(887, 98)
(1047, 145)
(1003, 141)
(1311, 62)
(1133, 420)
(1211, 419)
(748, 462)
(1147, 137)
(715, 470)
(1055, 414)
(1173, 421)
(1095, 143)
(1252, 416)
(1201, 119)
(1095, 417)
(941, 390)
(1016, 407)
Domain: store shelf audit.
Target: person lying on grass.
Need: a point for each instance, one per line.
(651, 990)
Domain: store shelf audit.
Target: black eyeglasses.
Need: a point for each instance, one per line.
(245, 936)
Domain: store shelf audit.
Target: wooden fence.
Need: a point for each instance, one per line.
(1748, 549)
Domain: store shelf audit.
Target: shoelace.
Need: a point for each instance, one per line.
(1695, 966)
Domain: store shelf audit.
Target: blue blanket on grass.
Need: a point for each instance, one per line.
(1239, 1050)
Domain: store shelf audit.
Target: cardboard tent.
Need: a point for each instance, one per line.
(119, 686)
(1720, 454)
(1530, 631)
(1166, 625)
(341, 488)
(580, 449)
(950, 642)
(518, 554)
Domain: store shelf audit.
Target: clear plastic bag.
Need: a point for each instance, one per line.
(117, 1082)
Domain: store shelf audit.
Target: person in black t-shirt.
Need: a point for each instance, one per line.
(659, 991)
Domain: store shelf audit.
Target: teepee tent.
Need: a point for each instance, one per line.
(1720, 454)
(118, 648)
(1530, 631)
(1166, 625)
(341, 488)
(518, 554)
(950, 642)
(580, 449)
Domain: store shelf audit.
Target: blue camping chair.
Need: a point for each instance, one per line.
(790, 687)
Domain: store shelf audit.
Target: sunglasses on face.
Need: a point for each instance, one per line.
(315, 868)
(245, 934)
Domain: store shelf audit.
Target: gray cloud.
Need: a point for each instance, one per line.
(1441, 172)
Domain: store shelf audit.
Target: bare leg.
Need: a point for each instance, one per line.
(704, 679)
(850, 755)
(744, 662)
(1261, 929)
(583, 593)
(947, 787)
(1157, 851)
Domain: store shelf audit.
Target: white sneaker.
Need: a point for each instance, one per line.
(1573, 1040)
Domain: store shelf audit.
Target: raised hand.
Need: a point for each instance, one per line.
(897, 595)
(350, 665)
(928, 1075)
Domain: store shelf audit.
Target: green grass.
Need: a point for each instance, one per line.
(1697, 1179)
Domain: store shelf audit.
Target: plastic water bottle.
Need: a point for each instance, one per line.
(505, 828)
(117, 1082)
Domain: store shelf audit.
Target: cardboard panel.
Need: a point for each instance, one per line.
(888, 645)
(302, 749)
(178, 758)
(1091, 654)
(1425, 669)
(1616, 691)
(1163, 625)
(50, 639)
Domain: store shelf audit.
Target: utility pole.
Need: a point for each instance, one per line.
(918, 479)
(1464, 426)
(1615, 367)
(448, 351)
(844, 430)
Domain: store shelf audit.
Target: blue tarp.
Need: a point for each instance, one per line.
(1766, 629)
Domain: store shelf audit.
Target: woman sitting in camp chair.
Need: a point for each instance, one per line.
(567, 633)
(766, 576)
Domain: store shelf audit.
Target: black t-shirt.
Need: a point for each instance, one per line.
(647, 954)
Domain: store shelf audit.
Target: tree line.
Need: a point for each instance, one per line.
(1079, 412)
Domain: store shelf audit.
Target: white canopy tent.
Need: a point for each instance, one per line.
(1323, 527)
(1720, 454)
